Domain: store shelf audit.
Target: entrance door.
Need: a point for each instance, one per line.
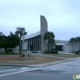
(59, 47)
(31, 48)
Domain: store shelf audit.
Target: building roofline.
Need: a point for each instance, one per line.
(32, 35)
(39, 33)
(61, 40)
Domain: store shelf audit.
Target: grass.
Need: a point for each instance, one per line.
(33, 59)
(65, 55)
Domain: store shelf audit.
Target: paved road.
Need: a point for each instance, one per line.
(21, 73)
(70, 67)
(36, 76)
(62, 71)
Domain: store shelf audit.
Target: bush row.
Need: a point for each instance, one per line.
(53, 51)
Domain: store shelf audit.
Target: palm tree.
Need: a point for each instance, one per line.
(78, 40)
(49, 36)
(72, 41)
(21, 32)
(1, 34)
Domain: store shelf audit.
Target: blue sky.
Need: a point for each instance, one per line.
(63, 16)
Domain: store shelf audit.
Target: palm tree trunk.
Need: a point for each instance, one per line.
(6, 50)
(20, 46)
(79, 46)
(73, 47)
(48, 47)
(23, 45)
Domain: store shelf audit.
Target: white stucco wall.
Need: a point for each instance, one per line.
(67, 47)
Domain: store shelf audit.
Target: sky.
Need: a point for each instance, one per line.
(63, 16)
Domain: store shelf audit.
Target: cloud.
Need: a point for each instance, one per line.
(62, 15)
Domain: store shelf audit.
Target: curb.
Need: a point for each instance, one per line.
(16, 65)
(53, 63)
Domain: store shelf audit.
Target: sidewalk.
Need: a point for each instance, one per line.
(53, 63)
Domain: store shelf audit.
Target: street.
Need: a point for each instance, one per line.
(14, 73)
(61, 71)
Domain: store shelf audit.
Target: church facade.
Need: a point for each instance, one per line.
(36, 42)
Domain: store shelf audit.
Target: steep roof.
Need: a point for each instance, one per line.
(32, 35)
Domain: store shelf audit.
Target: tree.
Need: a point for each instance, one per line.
(10, 41)
(72, 41)
(1, 37)
(49, 36)
(1, 33)
(78, 40)
(21, 32)
(13, 40)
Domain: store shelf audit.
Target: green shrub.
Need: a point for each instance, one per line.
(54, 51)
(10, 51)
(22, 55)
(77, 52)
(46, 52)
(34, 52)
